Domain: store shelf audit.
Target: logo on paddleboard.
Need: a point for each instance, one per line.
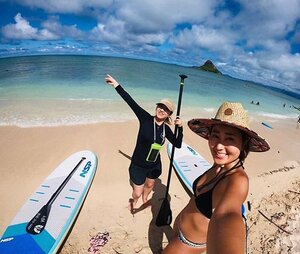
(8, 239)
(192, 150)
(86, 169)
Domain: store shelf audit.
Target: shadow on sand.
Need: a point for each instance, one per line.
(155, 233)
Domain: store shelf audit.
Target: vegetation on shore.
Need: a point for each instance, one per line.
(209, 66)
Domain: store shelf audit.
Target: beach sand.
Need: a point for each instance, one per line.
(28, 155)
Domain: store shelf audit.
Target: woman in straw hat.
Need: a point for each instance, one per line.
(212, 220)
(145, 164)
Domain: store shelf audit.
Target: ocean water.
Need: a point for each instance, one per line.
(70, 90)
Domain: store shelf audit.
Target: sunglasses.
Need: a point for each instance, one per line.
(164, 108)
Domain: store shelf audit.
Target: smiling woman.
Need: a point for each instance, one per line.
(145, 164)
(212, 220)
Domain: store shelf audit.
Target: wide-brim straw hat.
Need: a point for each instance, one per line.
(232, 114)
(168, 103)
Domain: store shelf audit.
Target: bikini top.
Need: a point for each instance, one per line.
(204, 200)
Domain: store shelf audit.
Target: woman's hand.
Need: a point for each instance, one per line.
(178, 121)
(111, 81)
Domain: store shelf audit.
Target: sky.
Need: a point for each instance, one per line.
(257, 40)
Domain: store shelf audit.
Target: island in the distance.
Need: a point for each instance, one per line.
(208, 66)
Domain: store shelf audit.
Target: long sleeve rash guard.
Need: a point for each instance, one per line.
(146, 133)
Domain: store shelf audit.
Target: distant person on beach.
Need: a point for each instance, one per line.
(212, 220)
(145, 164)
(298, 108)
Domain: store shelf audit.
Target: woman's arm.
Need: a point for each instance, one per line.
(139, 111)
(226, 230)
(176, 141)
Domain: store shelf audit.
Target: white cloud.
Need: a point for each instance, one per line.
(260, 20)
(204, 37)
(149, 16)
(53, 25)
(283, 63)
(51, 29)
(112, 32)
(115, 32)
(20, 30)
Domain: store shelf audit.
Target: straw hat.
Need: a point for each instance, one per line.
(169, 104)
(233, 114)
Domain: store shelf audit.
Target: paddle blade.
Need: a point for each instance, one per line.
(38, 222)
(164, 217)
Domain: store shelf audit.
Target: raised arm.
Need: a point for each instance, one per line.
(139, 111)
(111, 81)
(226, 230)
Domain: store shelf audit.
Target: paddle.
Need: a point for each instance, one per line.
(164, 216)
(38, 222)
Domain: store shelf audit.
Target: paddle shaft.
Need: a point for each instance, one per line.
(60, 188)
(38, 222)
(175, 132)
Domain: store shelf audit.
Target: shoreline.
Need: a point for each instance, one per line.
(115, 112)
(28, 155)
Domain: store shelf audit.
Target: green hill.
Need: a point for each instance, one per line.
(209, 66)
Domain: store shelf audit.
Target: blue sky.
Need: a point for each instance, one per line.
(256, 40)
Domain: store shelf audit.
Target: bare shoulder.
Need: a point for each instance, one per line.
(238, 175)
(237, 181)
(233, 191)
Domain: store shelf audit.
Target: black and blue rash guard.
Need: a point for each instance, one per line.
(146, 133)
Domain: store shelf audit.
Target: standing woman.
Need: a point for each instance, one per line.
(212, 220)
(145, 164)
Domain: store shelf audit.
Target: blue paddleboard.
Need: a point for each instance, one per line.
(267, 125)
(62, 195)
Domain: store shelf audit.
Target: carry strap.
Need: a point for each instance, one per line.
(154, 132)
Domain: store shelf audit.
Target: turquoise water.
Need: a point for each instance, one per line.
(68, 90)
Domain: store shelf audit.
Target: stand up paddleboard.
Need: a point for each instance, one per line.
(189, 165)
(267, 125)
(44, 221)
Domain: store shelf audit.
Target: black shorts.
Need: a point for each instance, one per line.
(138, 174)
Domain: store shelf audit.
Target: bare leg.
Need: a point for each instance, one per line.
(148, 187)
(136, 194)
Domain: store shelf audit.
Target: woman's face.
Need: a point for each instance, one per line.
(162, 112)
(225, 143)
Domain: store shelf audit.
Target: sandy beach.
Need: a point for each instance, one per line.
(28, 155)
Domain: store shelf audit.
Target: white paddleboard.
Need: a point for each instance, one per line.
(63, 191)
(188, 164)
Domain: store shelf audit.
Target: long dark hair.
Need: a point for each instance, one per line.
(245, 147)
